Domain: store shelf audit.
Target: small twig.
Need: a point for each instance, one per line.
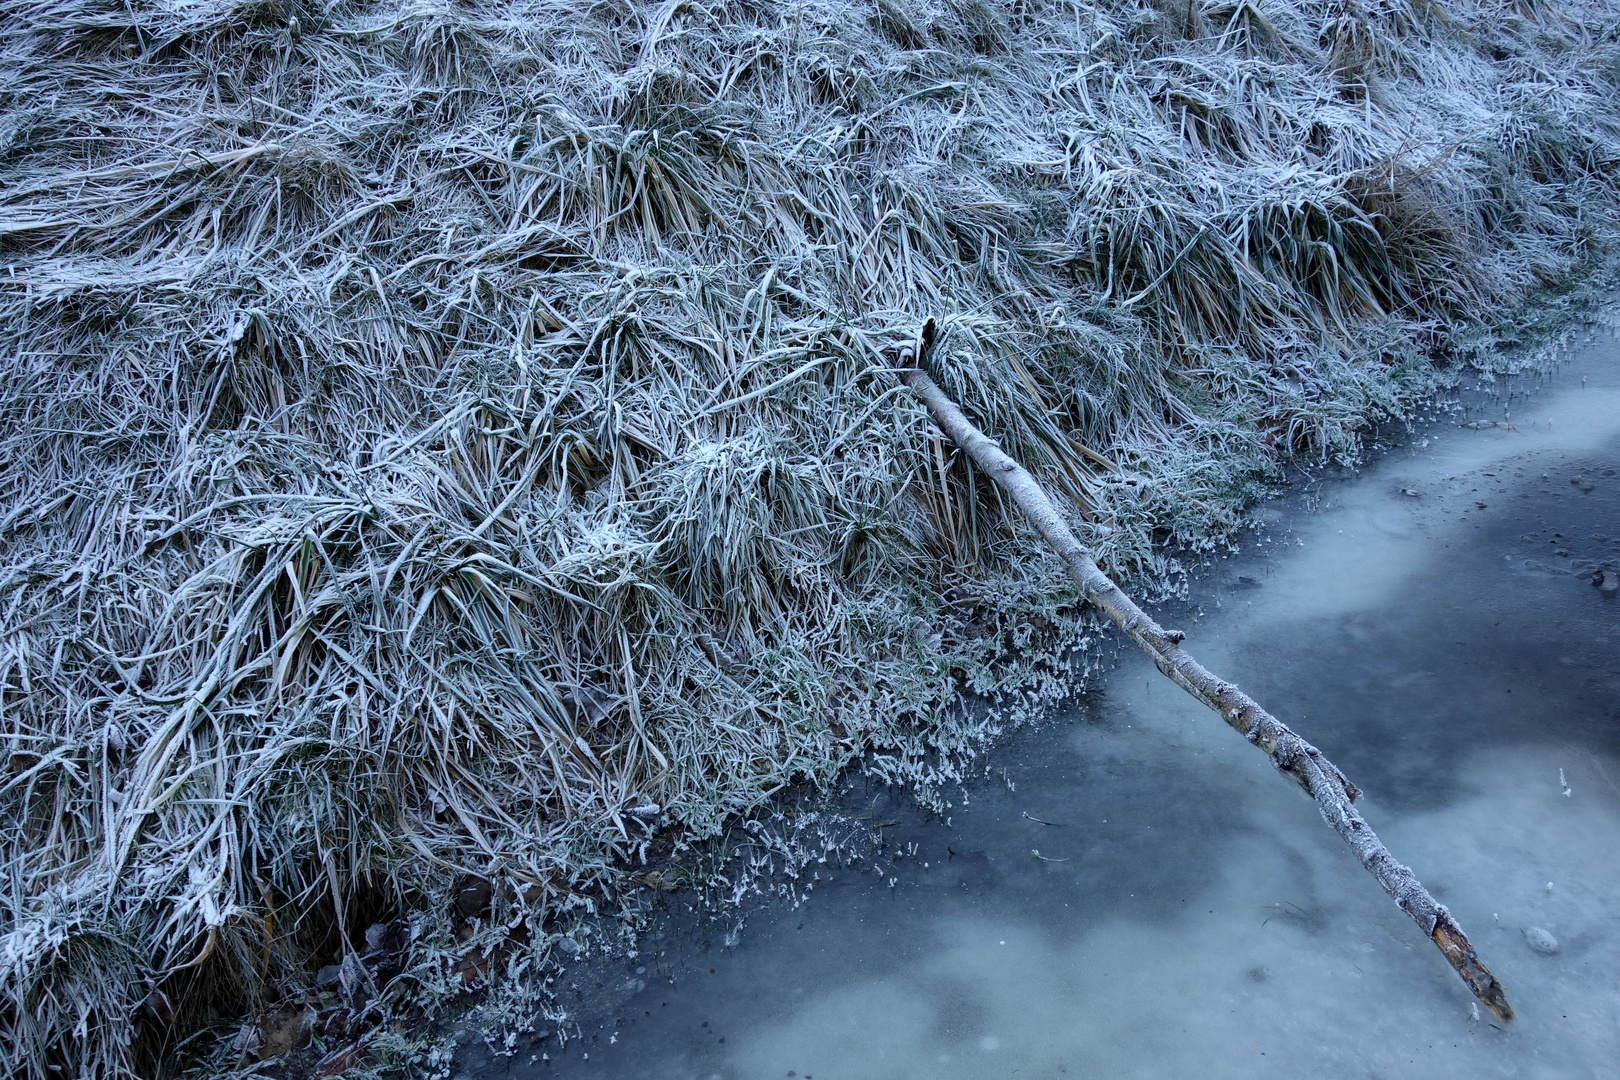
(1334, 794)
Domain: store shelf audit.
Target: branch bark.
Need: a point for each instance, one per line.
(1334, 794)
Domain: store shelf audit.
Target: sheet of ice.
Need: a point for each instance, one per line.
(1286, 967)
(1190, 915)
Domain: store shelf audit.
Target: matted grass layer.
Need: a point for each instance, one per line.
(452, 439)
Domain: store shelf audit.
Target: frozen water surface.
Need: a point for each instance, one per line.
(1446, 648)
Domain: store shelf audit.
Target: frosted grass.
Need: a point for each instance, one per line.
(449, 441)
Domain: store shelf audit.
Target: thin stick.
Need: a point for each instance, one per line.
(1335, 796)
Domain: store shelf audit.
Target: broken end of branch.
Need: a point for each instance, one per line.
(1457, 950)
(913, 354)
(925, 337)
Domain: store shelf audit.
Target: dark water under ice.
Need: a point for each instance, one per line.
(1447, 649)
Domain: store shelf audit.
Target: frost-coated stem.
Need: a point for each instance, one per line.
(1335, 795)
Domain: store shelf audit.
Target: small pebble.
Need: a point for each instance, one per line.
(1541, 941)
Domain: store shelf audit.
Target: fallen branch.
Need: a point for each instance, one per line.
(1335, 796)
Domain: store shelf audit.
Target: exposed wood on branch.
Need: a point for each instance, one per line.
(1334, 794)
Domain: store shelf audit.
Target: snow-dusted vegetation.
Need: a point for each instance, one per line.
(452, 439)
